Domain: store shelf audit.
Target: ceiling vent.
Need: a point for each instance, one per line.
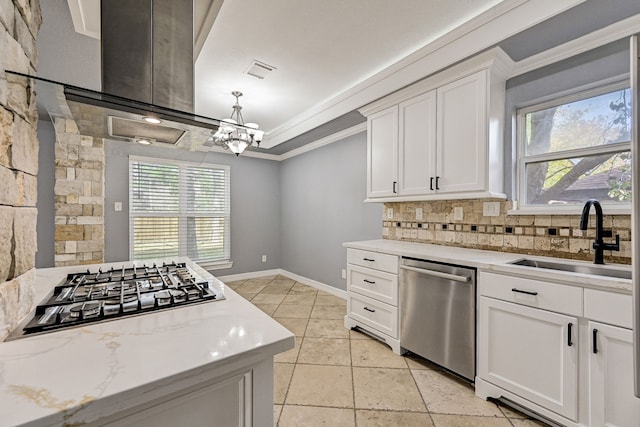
(259, 69)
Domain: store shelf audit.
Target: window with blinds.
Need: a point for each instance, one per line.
(178, 209)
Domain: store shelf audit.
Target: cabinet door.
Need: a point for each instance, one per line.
(612, 402)
(227, 403)
(382, 153)
(530, 352)
(417, 144)
(462, 134)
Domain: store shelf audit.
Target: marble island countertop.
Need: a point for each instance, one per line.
(497, 262)
(78, 375)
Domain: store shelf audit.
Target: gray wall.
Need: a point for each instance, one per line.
(45, 204)
(63, 54)
(590, 67)
(322, 207)
(255, 204)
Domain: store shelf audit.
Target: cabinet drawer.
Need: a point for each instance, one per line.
(373, 283)
(378, 261)
(378, 315)
(608, 307)
(548, 296)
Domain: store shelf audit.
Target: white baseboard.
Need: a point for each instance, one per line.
(318, 285)
(304, 280)
(250, 275)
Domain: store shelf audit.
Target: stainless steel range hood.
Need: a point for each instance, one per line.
(147, 71)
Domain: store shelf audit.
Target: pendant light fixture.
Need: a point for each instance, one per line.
(234, 134)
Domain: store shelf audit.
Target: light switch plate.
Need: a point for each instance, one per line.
(117, 206)
(491, 209)
(419, 214)
(344, 273)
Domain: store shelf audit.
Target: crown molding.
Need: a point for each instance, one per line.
(482, 32)
(338, 136)
(334, 137)
(619, 30)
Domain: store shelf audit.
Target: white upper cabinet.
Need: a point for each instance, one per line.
(417, 143)
(433, 140)
(382, 153)
(462, 130)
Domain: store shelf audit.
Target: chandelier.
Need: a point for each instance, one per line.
(234, 134)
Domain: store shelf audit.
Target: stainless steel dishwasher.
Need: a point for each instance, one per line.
(438, 314)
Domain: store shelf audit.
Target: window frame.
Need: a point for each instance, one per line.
(182, 214)
(521, 161)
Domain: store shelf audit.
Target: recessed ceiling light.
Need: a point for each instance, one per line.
(151, 119)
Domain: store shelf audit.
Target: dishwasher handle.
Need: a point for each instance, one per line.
(448, 276)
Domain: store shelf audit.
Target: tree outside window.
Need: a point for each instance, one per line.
(578, 149)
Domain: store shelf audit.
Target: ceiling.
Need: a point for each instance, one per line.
(319, 49)
(327, 55)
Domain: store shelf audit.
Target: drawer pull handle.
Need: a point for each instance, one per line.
(369, 310)
(371, 282)
(369, 259)
(595, 341)
(524, 292)
(569, 328)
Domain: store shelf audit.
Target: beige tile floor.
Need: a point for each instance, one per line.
(337, 377)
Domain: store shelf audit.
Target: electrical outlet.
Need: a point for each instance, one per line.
(389, 213)
(491, 209)
(344, 273)
(458, 213)
(418, 214)
(264, 258)
(117, 206)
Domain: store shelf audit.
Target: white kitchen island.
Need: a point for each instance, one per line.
(200, 364)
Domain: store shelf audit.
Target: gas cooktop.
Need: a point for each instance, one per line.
(94, 296)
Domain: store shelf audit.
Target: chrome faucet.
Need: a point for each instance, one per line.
(599, 244)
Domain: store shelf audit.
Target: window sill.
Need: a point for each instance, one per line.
(215, 265)
(567, 210)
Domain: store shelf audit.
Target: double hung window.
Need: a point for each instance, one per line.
(576, 148)
(178, 209)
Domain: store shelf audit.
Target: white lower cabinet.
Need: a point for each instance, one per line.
(227, 403)
(372, 295)
(611, 398)
(531, 352)
(561, 351)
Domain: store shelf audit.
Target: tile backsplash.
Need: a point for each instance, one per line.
(548, 235)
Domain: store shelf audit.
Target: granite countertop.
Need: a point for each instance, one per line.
(77, 375)
(498, 262)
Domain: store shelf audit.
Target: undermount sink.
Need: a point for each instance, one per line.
(575, 268)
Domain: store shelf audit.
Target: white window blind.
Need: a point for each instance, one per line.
(178, 209)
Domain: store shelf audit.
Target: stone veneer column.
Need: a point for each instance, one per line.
(79, 196)
(19, 24)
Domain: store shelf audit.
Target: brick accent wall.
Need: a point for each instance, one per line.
(19, 24)
(79, 196)
(547, 235)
